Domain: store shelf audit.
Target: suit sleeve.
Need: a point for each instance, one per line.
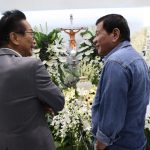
(46, 90)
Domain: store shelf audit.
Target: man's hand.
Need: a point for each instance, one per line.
(49, 110)
(100, 146)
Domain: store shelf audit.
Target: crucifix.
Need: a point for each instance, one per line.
(72, 32)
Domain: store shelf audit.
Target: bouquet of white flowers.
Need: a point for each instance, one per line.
(72, 126)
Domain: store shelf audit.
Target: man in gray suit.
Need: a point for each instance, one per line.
(25, 86)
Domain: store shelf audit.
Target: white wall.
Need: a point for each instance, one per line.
(136, 17)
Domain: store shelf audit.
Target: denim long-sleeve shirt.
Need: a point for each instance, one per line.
(119, 108)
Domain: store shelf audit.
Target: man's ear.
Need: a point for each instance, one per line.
(14, 38)
(116, 34)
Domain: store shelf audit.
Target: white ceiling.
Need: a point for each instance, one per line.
(29, 5)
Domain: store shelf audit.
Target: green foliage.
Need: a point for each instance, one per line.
(87, 48)
(53, 54)
(90, 69)
(147, 132)
(90, 64)
(51, 37)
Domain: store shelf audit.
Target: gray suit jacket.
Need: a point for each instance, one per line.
(24, 84)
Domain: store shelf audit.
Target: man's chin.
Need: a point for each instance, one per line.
(31, 52)
(27, 54)
(100, 53)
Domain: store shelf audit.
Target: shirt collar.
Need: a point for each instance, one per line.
(118, 47)
(16, 52)
(10, 51)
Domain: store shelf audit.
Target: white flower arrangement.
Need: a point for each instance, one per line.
(74, 121)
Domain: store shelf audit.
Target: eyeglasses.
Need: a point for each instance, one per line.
(30, 32)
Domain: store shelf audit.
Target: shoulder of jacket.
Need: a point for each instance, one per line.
(28, 62)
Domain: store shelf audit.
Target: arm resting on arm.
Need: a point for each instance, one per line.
(46, 90)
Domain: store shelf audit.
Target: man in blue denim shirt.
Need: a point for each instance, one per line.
(122, 96)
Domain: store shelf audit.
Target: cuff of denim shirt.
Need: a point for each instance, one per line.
(103, 138)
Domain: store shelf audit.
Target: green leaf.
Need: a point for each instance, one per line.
(83, 48)
(87, 34)
(88, 52)
(87, 42)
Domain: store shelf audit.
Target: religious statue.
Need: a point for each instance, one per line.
(72, 33)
